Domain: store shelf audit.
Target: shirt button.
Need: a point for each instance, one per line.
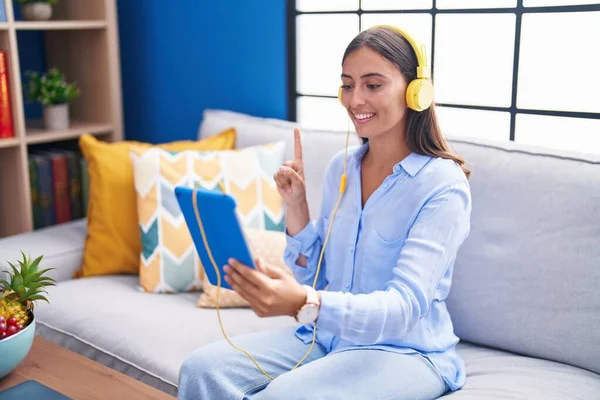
(347, 285)
(397, 168)
(386, 185)
(351, 250)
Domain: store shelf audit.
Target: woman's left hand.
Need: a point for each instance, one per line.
(269, 290)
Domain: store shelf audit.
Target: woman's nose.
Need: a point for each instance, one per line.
(356, 98)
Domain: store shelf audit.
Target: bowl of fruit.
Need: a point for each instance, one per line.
(18, 294)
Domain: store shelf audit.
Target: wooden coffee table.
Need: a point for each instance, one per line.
(76, 376)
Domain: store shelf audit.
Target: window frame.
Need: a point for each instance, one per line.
(519, 10)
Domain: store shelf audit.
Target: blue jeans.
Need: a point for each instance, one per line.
(220, 372)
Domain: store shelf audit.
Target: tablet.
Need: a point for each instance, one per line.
(222, 228)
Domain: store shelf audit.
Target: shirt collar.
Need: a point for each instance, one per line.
(412, 164)
(360, 152)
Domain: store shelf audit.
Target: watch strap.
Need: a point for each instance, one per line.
(312, 297)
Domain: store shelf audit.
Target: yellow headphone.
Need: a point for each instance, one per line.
(419, 93)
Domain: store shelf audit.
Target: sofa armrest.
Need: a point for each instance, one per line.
(61, 245)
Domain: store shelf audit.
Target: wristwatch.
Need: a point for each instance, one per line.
(310, 310)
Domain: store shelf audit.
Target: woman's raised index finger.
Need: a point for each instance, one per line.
(297, 145)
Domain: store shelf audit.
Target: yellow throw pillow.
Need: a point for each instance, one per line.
(113, 243)
(269, 246)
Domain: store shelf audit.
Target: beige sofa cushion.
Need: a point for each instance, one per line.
(269, 246)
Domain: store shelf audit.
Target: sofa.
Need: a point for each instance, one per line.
(525, 301)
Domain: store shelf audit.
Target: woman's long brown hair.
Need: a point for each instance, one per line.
(423, 133)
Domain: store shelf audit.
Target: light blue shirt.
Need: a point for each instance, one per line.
(387, 267)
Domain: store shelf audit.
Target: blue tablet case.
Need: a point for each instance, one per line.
(223, 230)
(30, 390)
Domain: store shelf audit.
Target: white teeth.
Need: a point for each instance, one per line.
(363, 116)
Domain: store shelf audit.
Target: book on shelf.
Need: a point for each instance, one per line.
(74, 169)
(42, 200)
(57, 179)
(6, 120)
(60, 187)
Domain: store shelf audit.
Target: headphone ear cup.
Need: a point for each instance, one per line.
(419, 94)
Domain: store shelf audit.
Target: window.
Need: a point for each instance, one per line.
(502, 70)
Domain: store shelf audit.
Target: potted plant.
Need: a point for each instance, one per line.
(54, 94)
(36, 10)
(18, 293)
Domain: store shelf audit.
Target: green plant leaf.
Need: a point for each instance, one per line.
(34, 265)
(32, 292)
(50, 88)
(21, 291)
(34, 286)
(23, 268)
(38, 276)
(40, 297)
(17, 279)
(46, 280)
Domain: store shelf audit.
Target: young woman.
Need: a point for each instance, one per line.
(376, 310)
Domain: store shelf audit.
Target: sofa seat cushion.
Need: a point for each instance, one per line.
(147, 336)
(144, 335)
(499, 375)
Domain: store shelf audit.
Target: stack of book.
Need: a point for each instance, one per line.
(59, 184)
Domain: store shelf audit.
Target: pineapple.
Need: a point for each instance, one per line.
(23, 288)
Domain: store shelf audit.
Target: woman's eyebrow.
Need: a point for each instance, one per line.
(377, 74)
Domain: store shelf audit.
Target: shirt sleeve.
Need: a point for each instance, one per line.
(439, 230)
(309, 241)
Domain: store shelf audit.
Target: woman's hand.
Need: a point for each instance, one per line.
(269, 290)
(290, 176)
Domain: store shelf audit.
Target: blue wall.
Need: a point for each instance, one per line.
(181, 57)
